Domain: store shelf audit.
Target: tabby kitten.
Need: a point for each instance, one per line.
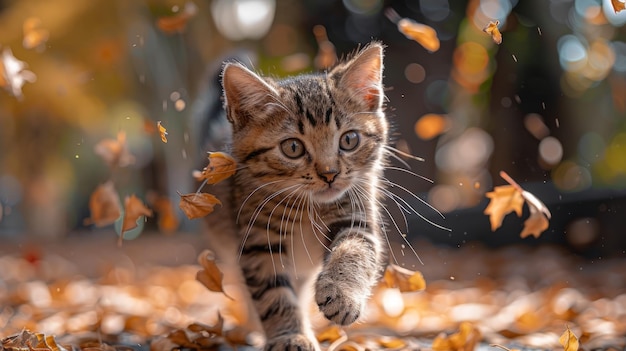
(306, 197)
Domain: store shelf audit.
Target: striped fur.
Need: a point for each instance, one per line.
(305, 200)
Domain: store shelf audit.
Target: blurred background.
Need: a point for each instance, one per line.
(85, 82)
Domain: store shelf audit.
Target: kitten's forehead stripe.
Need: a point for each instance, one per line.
(256, 153)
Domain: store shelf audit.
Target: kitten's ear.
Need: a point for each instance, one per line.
(245, 94)
(362, 77)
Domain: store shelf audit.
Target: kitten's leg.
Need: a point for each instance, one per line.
(349, 273)
(275, 299)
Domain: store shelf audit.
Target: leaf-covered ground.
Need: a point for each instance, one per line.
(91, 294)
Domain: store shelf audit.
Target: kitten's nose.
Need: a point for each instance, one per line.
(328, 175)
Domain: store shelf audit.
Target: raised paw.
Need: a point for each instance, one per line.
(290, 342)
(338, 304)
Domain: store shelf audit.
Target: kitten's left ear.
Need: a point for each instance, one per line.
(362, 77)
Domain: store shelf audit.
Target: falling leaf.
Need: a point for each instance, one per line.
(464, 340)
(492, 29)
(327, 54)
(178, 22)
(34, 35)
(115, 151)
(133, 209)
(162, 132)
(421, 33)
(404, 279)
(536, 223)
(13, 74)
(210, 276)
(618, 5)
(569, 340)
(504, 200)
(196, 205)
(431, 125)
(221, 166)
(167, 218)
(104, 205)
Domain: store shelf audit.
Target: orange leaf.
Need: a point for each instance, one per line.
(221, 166)
(162, 132)
(424, 35)
(133, 209)
(178, 22)
(330, 334)
(327, 54)
(114, 151)
(539, 215)
(167, 219)
(34, 35)
(569, 340)
(464, 340)
(404, 279)
(492, 29)
(196, 205)
(504, 200)
(104, 205)
(210, 276)
(618, 5)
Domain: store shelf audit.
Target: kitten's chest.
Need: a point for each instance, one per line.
(307, 243)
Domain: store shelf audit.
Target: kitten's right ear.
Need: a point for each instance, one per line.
(245, 94)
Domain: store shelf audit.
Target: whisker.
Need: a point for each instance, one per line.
(394, 185)
(360, 190)
(252, 193)
(402, 153)
(269, 219)
(393, 168)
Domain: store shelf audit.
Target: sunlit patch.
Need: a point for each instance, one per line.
(243, 19)
(550, 151)
(569, 176)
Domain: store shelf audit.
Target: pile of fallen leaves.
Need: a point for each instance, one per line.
(515, 298)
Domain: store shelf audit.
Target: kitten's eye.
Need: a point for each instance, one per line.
(349, 140)
(292, 148)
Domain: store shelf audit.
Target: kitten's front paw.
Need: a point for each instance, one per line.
(290, 342)
(337, 304)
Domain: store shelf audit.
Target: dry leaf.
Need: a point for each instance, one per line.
(104, 205)
(215, 329)
(327, 54)
(492, 29)
(13, 74)
(162, 132)
(330, 334)
(221, 166)
(388, 342)
(115, 151)
(404, 279)
(133, 209)
(211, 276)
(504, 200)
(29, 341)
(569, 340)
(196, 205)
(167, 218)
(425, 35)
(34, 35)
(464, 340)
(539, 215)
(178, 22)
(618, 5)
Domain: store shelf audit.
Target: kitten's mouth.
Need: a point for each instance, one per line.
(329, 194)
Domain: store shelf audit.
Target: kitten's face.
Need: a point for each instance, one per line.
(319, 134)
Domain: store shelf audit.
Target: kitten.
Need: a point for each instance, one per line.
(306, 197)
